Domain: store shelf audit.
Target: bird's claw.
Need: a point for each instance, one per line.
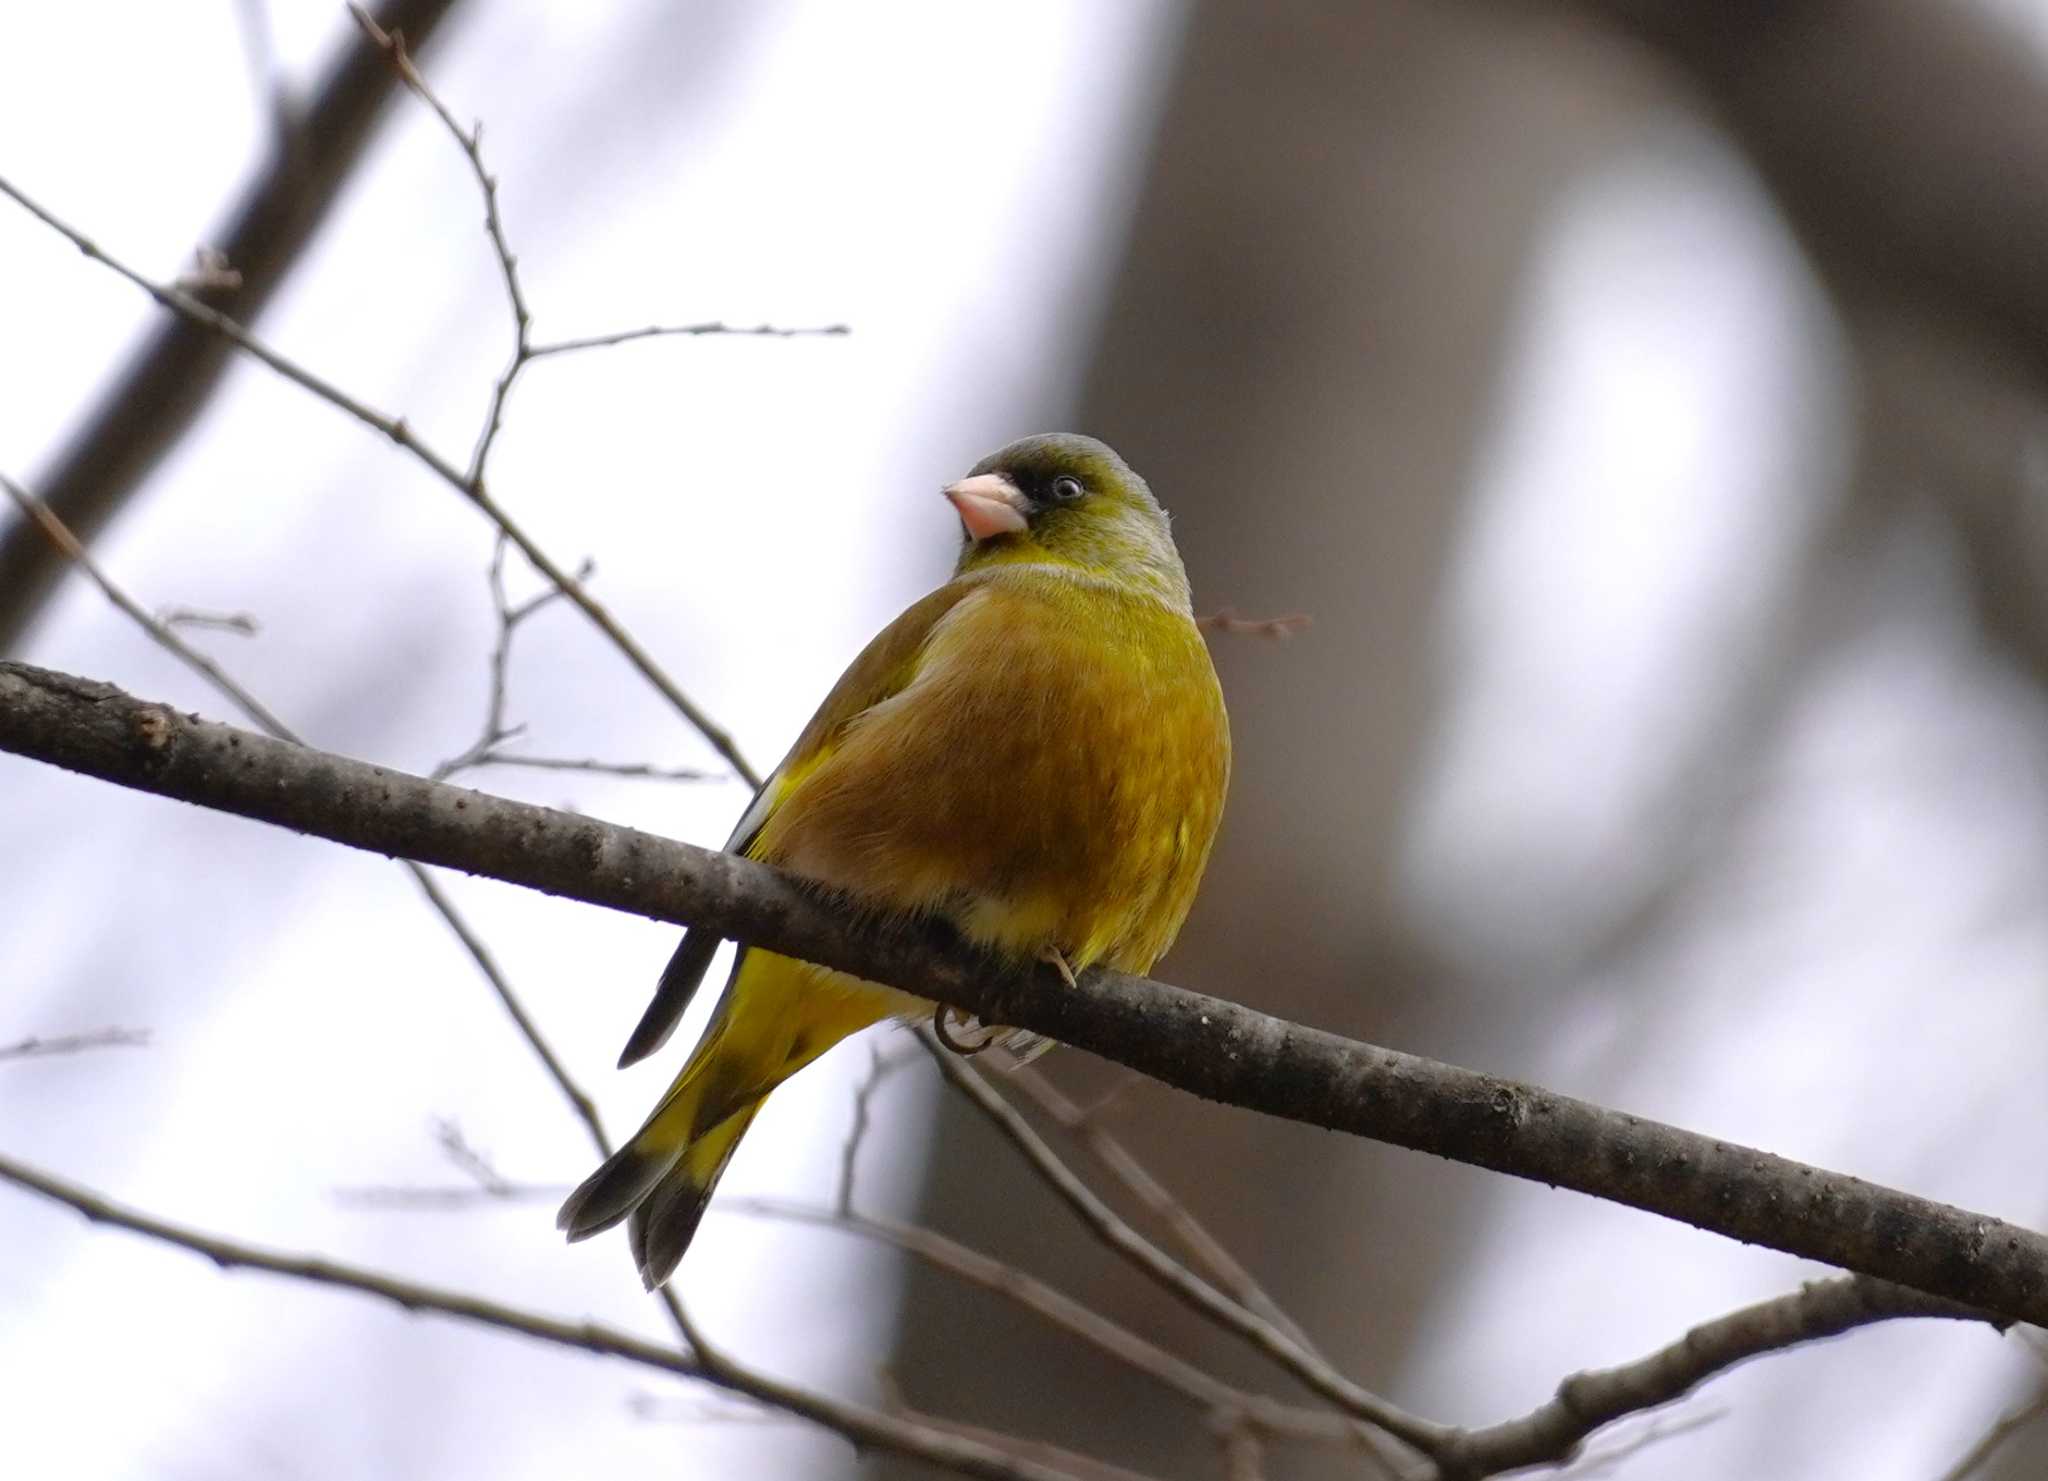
(944, 1031)
(1052, 957)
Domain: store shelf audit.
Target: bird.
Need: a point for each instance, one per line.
(1035, 753)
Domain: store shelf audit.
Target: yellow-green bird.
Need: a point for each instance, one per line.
(1036, 752)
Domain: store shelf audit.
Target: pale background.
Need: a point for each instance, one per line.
(1631, 752)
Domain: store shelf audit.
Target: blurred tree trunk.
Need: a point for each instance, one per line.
(1300, 353)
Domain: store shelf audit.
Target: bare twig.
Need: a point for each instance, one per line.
(73, 550)
(1173, 1277)
(713, 327)
(242, 624)
(396, 429)
(880, 1067)
(515, 1009)
(1655, 1429)
(1202, 1247)
(1587, 1401)
(1209, 1395)
(463, 1155)
(524, 352)
(36, 1047)
(998, 1458)
(36, 512)
(637, 770)
(488, 748)
(501, 986)
(496, 730)
(153, 399)
(471, 144)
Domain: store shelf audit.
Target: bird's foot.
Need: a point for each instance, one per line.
(1051, 956)
(943, 1028)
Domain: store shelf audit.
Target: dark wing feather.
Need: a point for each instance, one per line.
(679, 982)
(883, 668)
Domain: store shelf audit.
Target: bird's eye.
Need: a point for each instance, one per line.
(1067, 488)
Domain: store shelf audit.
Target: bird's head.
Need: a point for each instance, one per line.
(1064, 499)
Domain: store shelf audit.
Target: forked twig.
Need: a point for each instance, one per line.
(400, 433)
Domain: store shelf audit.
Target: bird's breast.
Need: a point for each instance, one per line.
(1053, 776)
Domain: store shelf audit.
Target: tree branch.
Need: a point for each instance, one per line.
(1275, 1341)
(1586, 1401)
(148, 407)
(1202, 1247)
(193, 311)
(984, 1454)
(1264, 1415)
(1201, 1044)
(38, 514)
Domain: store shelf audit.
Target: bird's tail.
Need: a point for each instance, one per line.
(777, 1016)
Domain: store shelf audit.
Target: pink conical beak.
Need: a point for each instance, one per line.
(988, 504)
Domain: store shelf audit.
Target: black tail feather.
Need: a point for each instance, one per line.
(672, 995)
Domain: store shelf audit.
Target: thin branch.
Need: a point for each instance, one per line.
(471, 144)
(1654, 1430)
(880, 1067)
(398, 432)
(241, 624)
(1210, 1395)
(515, 1009)
(1202, 1044)
(487, 749)
(54, 528)
(1173, 1277)
(1202, 1247)
(458, 1149)
(1587, 1401)
(58, 534)
(636, 770)
(524, 353)
(496, 729)
(994, 1457)
(36, 1047)
(501, 986)
(714, 327)
(157, 395)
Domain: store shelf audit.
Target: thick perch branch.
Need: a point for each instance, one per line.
(1204, 1045)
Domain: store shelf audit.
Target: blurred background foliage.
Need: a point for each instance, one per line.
(1643, 398)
